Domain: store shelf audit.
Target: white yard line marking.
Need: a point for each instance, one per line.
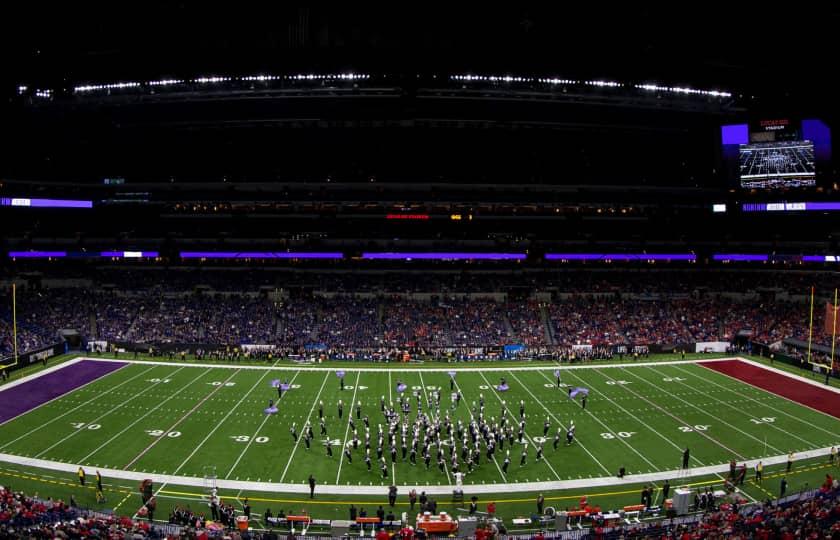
(311, 410)
(648, 427)
(155, 441)
(716, 418)
(121, 405)
(495, 393)
(173, 426)
(785, 373)
(59, 417)
(427, 370)
(525, 387)
(210, 434)
(582, 483)
(786, 399)
(390, 402)
(458, 389)
(43, 372)
(594, 417)
(129, 494)
(675, 417)
(436, 417)
(256, 433)
(645, 424)
(347, 430)
(771, 425)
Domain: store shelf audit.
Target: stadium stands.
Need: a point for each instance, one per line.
(814, 514)
(362, 313)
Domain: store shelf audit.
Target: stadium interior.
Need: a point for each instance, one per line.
(549, 197)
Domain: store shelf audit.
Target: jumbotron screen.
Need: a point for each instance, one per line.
(776, 154)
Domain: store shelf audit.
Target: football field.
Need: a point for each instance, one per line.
(184, 423)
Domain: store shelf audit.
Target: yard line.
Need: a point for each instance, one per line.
(347, 430)
(391, 402)
(763, 391)
(59, 417)
(219, 424)
(628, 445)
(445, 468)
(129, 494)
(295, 447)
(458, 389)
(669, 441)
(109, 441)
(493, 391)
(121, 405)
(749, 415)
(561, 423)
(680, 420)
(673, 416)
(643, 423)
(718, 418)
(254, 436)
(368, 369)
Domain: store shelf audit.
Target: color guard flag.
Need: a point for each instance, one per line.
(578, 390)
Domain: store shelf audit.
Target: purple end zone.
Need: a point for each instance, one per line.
(25, 397)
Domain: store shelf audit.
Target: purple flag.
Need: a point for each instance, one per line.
(578, 390)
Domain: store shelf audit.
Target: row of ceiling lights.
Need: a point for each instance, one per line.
(86, 88)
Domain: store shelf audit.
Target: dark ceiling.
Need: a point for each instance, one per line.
(747, 48)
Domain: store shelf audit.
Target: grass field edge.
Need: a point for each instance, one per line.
(488, 366)
(677, 475)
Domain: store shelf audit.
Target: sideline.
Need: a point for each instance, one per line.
(340, 365)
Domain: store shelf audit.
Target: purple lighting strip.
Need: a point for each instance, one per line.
(822, 206)
(739, 257)
(45, 203)
(821, 258)
(442, 256)
(130, 254)
(261, 255)
(621, 256)
(812, 206)
(36, 254)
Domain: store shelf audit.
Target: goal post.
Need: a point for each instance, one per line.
(817, 337)
(14, 362)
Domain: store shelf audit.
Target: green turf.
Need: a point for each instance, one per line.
(637, 417)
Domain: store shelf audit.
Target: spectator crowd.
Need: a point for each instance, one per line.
(349, 316)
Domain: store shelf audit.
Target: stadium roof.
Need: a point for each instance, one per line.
(738, 47)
